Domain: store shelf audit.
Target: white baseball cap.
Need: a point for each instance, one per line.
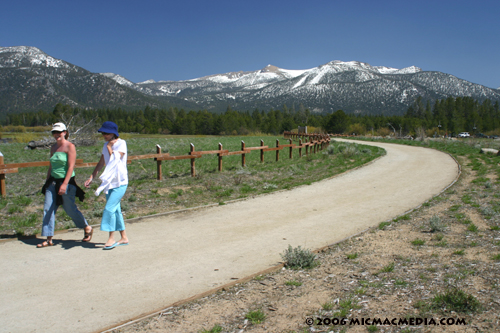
(59, 127)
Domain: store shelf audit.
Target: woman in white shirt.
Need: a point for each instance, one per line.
(114, 183)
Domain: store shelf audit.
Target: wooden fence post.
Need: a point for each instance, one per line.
(262, 151)
(290, 141)
(243, 162)
(277, 150)
(3, 189)
(300, 147)
(193, 170)
(220, 157)
(159, 175)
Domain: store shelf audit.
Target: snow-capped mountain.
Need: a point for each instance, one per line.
(31, 80)
(24, 57)
(351, 86)
(250, 81)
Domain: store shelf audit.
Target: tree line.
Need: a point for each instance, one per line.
(446, 116)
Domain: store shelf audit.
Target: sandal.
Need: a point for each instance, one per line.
(88, 235)
(45, 244)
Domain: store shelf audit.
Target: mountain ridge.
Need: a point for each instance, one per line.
(353, 86)
(31, 80)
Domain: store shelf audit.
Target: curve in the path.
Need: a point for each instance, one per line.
(70, 288)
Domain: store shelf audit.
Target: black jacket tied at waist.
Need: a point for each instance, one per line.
(58, 181)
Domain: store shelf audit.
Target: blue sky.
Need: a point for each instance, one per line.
(186, 39)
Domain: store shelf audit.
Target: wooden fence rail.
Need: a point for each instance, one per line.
(306, 136)
(315, 143)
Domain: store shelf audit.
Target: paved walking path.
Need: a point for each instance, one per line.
(78, 287)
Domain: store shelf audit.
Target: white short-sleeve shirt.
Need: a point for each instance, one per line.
(119, 146)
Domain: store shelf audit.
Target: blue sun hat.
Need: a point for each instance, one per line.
(109, 127)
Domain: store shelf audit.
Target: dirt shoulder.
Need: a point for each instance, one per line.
(394, 271)
(174, 257)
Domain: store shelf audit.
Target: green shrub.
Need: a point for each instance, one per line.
(327, 306)
(382, 225)
(418, 242)
(405, 217)
(455, 300)
(298, 258)
(350, 150)
(352, 256)
(472, 228)
(387, 269)
(345, 306)
(256, 317)
(487, 212)
(293, 283)
(436, 225)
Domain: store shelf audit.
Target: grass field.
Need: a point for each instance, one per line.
(21, 212)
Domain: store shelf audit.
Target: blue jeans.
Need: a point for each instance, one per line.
(50, 208)
(112, 218)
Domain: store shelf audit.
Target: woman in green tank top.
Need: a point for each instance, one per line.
(59, 165)
(60, 187)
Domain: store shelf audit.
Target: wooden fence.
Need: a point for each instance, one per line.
(314, 136)
(314, 143)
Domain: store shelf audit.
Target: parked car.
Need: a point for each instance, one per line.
(464, 135)
(481, 135)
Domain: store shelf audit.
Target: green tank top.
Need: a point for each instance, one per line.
(59, 164)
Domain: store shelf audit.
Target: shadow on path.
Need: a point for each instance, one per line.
(65, 244)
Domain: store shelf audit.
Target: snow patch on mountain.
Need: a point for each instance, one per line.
(408, 70)
(221, 78)
(23, 56)
(300, 82)
(320, 72)
(148, 82)
(341, 66)
(119, 79)
(385, 70)
(292, 73)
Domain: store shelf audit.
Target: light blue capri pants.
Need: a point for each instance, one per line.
(112, 218)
